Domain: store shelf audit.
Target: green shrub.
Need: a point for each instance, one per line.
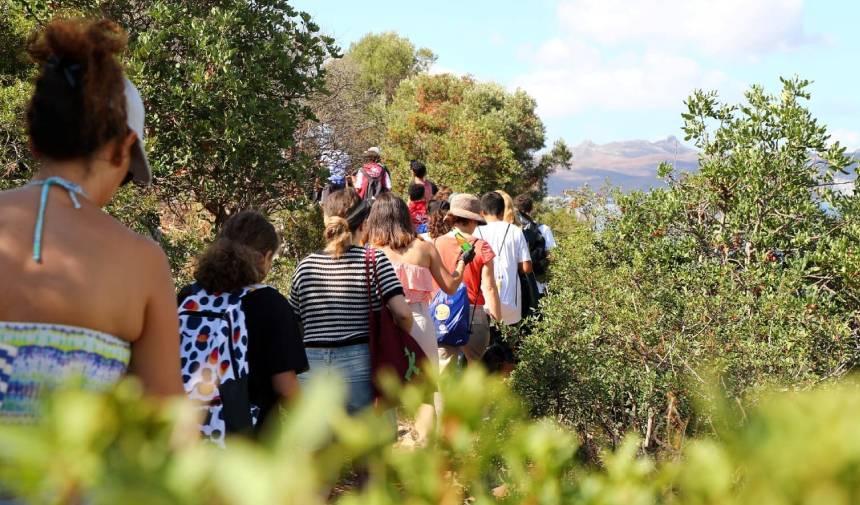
(739, 271)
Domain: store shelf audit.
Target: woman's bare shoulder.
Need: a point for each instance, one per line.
(140, 251)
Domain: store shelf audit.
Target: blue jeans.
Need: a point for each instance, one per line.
(350, 363)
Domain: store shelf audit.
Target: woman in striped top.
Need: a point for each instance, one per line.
(329, 295)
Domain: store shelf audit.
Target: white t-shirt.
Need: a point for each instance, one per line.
(549, 239)
(511, 249)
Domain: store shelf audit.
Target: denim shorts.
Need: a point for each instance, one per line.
(352, 364)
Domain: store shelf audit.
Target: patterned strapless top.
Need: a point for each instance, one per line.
(35, 357)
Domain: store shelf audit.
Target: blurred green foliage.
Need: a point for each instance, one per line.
(120, 448)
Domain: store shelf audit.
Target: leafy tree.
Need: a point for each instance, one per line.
(15, 71)
(348, 116)
(386, 59)
(474, 136)
(350, 112)
(542, 166)
(226, 85)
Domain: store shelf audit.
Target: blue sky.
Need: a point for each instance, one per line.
(608, 70)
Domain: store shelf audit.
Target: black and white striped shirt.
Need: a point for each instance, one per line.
(330, 296)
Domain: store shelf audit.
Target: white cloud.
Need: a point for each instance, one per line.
(497, 39)
(848, 138)
(558, 51)
(651, 54)
(436, 69)
(722, 27)
(571, 78)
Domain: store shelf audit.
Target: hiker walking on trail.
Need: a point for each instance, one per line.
(416, 263)
(419, 176)
(512, 255)
(539, 237)
(336, 162)
(373, 178)
(418, 208)
(84, 298)
(419, 268)
(330, 295)
(463, 218)
(240, 342)
(437, 226)
(443, 194)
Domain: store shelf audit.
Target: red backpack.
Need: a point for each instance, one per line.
(373, 182)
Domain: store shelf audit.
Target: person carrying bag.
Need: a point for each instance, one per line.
(392, 349)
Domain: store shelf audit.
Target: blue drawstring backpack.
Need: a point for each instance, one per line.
(450, 314)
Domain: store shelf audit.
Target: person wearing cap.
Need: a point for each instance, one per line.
(85, 299)
(464, 216)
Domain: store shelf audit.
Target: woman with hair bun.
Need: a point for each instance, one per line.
(84, 298)
(330, 295)
(241, 346)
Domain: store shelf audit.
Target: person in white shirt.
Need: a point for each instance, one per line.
(512, 255)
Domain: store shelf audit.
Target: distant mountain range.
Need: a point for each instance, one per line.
(630, 164)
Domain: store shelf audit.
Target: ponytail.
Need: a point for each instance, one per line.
(337, 235)
(344, 211)
(78, 103)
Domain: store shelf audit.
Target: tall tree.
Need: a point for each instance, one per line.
(225, 84)
(359, 85)
(474, 136)
(386, 59)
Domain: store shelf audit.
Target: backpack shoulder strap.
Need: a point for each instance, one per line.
(505, 237)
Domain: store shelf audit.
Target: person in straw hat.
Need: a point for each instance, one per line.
(464, 217)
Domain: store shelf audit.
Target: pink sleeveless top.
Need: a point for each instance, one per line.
(417, 282)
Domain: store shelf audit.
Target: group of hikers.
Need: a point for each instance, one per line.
(85, 298)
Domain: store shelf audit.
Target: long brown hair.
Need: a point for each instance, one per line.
(78, 103)
(235, 259)
(438, 225)
(338, 234)
(390, 224)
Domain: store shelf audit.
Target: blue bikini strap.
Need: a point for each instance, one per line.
(73, 189)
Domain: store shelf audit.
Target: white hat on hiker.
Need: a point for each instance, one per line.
(139, 169)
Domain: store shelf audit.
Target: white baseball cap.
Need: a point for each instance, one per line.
(140, 171)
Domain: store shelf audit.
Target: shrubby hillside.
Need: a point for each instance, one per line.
(746, 273)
